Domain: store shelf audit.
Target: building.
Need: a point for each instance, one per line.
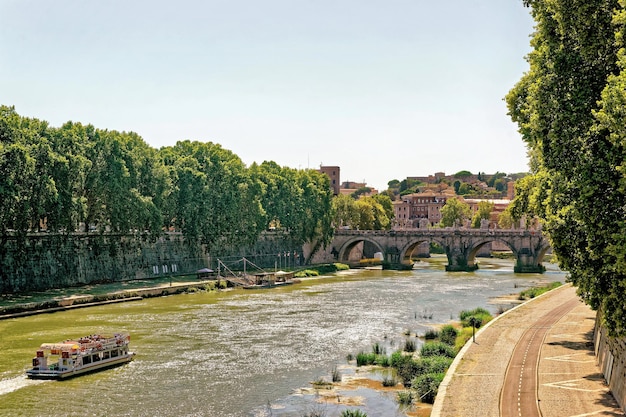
(333, 173)
(420, 209)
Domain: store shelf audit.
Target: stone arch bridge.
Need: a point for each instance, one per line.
(460, 245)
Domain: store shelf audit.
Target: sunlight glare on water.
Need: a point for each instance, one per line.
(243, 353)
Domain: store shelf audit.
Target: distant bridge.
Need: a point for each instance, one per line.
(460, 245)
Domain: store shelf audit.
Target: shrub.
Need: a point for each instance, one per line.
(405, 397)
(448, 334)
(431, 334)
(434, 364)
(427, 385)
(437, 349)
(382, 360)
(479, 315)
(407, 369)
(336, 375)
(396, 358)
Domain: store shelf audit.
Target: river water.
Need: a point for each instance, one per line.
(246, 352)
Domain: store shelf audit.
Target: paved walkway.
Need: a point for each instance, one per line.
(566, 379)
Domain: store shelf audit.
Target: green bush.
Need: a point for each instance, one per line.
(437, 349)
(382, 360)
(434, 364)
(475, 312)
(427, 386)
(448, 334)
(406, 368)
(479, 315)
(363, 359)
(353, 413)
(306, 273)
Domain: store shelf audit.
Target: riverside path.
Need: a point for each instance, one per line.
(535, 360)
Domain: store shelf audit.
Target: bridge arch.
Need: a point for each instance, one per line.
(406, 252)
(348, 247)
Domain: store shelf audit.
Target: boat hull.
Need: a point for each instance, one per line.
(85, 369)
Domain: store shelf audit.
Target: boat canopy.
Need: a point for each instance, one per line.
(63, 347)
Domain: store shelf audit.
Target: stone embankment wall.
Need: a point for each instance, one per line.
(611, 357)
(43, 261)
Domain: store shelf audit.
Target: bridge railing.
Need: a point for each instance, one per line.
(440, 232)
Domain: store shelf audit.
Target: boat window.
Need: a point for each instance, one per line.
(115, 353)
(96, 357)
(105, 355)
(86, 360)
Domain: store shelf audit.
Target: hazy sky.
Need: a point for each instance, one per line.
(383, 89)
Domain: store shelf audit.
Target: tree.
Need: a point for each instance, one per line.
(483, 213)
(570, 111)
(345, 215)
(454, 213)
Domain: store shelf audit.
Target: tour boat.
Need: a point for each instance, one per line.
(75, 357)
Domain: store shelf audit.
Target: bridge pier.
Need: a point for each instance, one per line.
(528, 263)
(459, 256)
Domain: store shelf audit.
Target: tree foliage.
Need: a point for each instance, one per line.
(77, 176)
(483, 213)
(570, 109)
(454, 213)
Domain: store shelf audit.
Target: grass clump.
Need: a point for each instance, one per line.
(537, 291)
(389, 381)
(364, 359)
(405, 397)
(479, 315)
(431, 334)
(335, 375)
(353, 413)
(306, 273)
(410, 345)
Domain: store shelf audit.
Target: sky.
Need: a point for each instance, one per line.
(384, 89)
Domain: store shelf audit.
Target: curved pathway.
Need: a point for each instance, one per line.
(551, 337)
(519, 393)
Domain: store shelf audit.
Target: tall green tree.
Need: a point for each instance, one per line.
(570, 111)
(485, 208)
(454, 213)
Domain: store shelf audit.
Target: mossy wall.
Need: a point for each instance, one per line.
(611, 357)
(42, 261)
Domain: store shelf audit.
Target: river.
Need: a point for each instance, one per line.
(246, 352)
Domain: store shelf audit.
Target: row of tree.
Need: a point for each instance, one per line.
(78, 178)
(571, 111)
